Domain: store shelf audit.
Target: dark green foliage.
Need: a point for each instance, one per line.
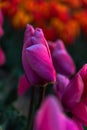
(10, 119)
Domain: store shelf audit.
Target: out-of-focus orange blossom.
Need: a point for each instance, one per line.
(58, 18)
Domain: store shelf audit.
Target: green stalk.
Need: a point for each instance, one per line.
(31, 109)
(42, 91)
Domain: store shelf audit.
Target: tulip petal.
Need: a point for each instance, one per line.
(71, 125)
(80, 112)
(41, 39)
(83, 73)
(23, 85)
(79, 124)
(60, 85)
(52, 46)
(1, 18)
(48, 117)
(1, 31)
(40, 62)
(32, 77)
(73, 92)
(63, 63)
(28, 33)
(60, 45)
(51, 117)
(2, 57)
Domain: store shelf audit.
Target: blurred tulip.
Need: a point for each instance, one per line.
(73, 92)
(36, 57)
(60, 85)
(62, 61)
(80, 112)
(1, 23)
(23, 85)
(51, 117)
(1, 18)
(1, 32)
(75, 96)
(83, 74)
(2, 57)
(52, 46)
(78, 123)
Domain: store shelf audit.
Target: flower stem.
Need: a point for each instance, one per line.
(31, 109)
(42, 94)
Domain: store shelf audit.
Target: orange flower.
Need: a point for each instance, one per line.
(72, 3)
(70, 31)
(20, 19)
(81, 17)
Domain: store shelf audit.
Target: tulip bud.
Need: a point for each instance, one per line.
(1, 23)
(36, 57)
(73, 93)
(83, 74)
(51, 117)
(23, 85)
(1, 18)
(2, 57)
(62, 61)
(80, 112)
(61, 85)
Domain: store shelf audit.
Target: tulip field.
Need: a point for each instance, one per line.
(43, 65)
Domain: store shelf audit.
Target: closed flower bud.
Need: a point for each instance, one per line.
(36, 57)
(51, 117)
(61, 85)
(73, 93)
(62, 61)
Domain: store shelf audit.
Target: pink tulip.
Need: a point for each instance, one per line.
(74, 98)
(73, 92)
(1, 23)
(78, 123)
(83, 74)
(80, 110)
(23, 85)
(52, 46)
(60, 85)
(1, 18)
(51, 117)
(1, 31)
(62, 61)
(36, 57)
(2, 57)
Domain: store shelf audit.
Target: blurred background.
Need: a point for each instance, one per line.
(59, 19)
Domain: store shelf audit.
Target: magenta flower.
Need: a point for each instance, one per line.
(80, 110)
(51, 117)
(73, 93)
(36, 57)
(60, 85)
(83, 74)
(75, 96)
(2, 57)
(62, 61)
(23, 85)
(1, 23)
